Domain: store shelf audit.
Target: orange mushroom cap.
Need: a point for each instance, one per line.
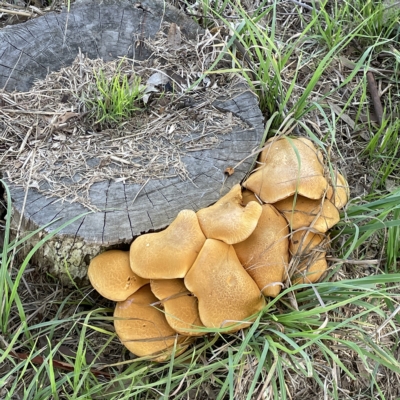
(248, 196)
(265, 253)
(308, 250)
(339, 193)
(225, 291)
(302, 212)
(228, 220)
(143, 329)
(181, 307)
(111, 275)
(168, 254)
(288, 166)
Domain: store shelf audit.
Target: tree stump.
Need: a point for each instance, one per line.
(108, 29)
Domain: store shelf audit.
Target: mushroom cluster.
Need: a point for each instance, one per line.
(212, 269)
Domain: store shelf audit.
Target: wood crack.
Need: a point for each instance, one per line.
(127, 210)
(105, 213)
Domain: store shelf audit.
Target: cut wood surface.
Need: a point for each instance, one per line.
(109, 29)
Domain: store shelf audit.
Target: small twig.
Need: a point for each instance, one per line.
(20, 13)
(141, 188)
(354, 262)
(307, 7)
(391, 316)
(376, 101)
(36, 10)
(32, 112)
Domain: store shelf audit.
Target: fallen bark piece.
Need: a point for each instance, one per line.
(376, 100)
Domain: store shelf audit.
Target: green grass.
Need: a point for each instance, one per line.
(281, 343)
(116, 97)
(313, 337)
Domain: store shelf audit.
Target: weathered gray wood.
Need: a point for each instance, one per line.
(109, 29)
(101, 29)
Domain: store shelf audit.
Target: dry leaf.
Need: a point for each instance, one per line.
(157, 79)
(347, 63)
(344, 117)
(174, 36)
(34, 184)
(229, 171)
(65, 117)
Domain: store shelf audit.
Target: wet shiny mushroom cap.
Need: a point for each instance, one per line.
(228, 220)
(111, 275)
(265, 253)
(180, 306)
(142, 327)
(168, 254)
(225, 291)
(288, 166)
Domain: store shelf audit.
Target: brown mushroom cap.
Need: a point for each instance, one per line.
(168, 254)
(142, 328)
(302, 212)
(308, 251)
(340, 193)
(225, 291)
(111, 275)
(288, 166)
(181, 307)
(265, 253)
(228, 220)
